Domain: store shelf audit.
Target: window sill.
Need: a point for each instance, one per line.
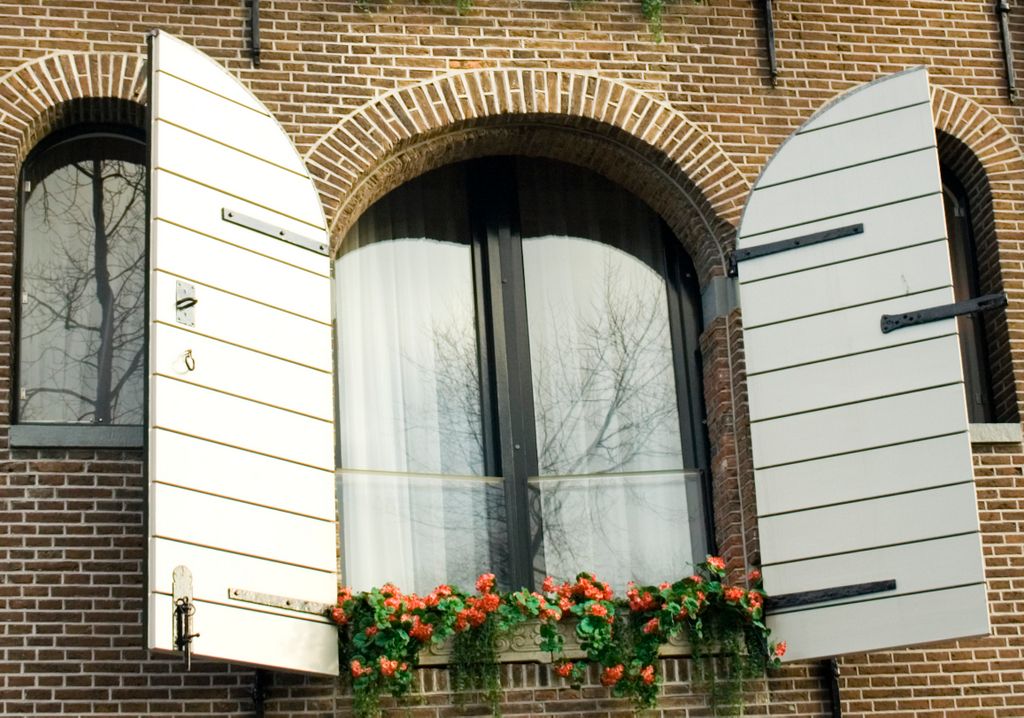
(996, 433)
(523, 646)
(72, 436)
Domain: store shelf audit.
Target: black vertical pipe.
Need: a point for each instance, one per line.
(1003, 13)
(769, 28)
(832, 676)
(254, 31)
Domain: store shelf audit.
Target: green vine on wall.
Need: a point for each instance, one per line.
(383, 631)
(652, 10)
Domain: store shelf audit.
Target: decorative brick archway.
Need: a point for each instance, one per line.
(599, 123)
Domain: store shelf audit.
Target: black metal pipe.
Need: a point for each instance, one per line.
(1003, 13)
(832, 676)
(254, 31)
(769, 28)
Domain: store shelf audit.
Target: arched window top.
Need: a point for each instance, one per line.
(516, 384)
(82, 279)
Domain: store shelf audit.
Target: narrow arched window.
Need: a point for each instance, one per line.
(518, 388)
(971, 327)
(81, 280)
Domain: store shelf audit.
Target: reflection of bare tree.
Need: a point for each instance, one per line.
(82, 325)
(604, 397)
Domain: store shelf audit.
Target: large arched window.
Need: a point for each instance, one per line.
(82, 280)
(518, 387)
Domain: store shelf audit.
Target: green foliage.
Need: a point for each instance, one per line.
(382, 631)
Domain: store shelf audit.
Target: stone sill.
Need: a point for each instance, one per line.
(996, 433)
(523, 646)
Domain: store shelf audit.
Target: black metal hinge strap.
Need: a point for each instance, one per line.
(254, 31)
(891, 322)
(806, 598)
(769, 25)
(783, 245)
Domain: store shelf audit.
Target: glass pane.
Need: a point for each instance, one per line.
(604, 387)
(82, 282)
(409, 399)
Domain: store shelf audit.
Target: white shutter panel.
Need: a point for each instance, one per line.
(241, 446)
(861, 451)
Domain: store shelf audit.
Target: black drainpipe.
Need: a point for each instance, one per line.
(831, 667)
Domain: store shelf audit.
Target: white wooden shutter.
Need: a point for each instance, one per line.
(860, 444)
(241, 446)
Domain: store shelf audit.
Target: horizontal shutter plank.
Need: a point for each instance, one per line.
(855, 378)
(863, 140)
(214, 573)
(186, 203)
(854, 427)
(193, 463)
(199, 412)
(838, 286)
(235, 173)
(913, 563)
(868, 524)
(889, 623)
(890, 93)
(886, 229)
(882, 182)
(186, 253)
(189, 64)
(234, 526)
(239, 371)
(841, 333)
(187, 105)
(251, 637)
(864, 474)
(256, 326)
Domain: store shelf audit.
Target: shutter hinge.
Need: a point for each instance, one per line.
(266, 599)
(892, 322)
(804, 598)
(270, 230)
(184, 611)
(783, 245)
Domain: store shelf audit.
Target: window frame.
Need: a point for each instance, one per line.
(55, 434)
(504, 362)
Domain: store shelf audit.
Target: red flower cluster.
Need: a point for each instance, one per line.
(638, 603)
(647, 675)
(359, 670)
(564, 669)
(733, 594)
(611, 676)
(716, 562)
(478, 607)
(387, 666)
(485, 584)
(435, 596)
(754, 576)
(755, 599)
(421, 631)
(780, 649)
(586, 588)
(338, 614)
(651, 626)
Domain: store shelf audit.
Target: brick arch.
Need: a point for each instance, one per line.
(599, 123)
(987, 160)
(56, 90)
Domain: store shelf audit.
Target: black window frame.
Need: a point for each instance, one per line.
(503, 351)
(54, 434)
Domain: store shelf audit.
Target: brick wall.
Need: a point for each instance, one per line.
(376, 94)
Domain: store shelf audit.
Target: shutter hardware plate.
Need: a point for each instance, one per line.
(804, 598)
(891, 322)
(184, 303)
(184, 610)
(763, 250)
(266, 599)
(270, 230)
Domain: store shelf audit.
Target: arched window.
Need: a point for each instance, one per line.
(518, 384)
(81, 333)
(962, 254)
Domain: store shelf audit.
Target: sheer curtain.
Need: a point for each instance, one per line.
(610, 494)
(416, 508)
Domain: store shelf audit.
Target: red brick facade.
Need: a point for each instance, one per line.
(376, 94)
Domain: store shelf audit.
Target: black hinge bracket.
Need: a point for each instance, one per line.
(769, 31)
(891, 322)
(806, 240)
(806, 598)
(254, 31)
(1003, 13)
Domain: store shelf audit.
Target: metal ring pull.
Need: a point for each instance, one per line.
(190, 361)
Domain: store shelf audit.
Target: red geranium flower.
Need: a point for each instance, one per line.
(733, 594)
(611, 676)
(716, 562)
(485, 583)
(564, 669)
(647, 675)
